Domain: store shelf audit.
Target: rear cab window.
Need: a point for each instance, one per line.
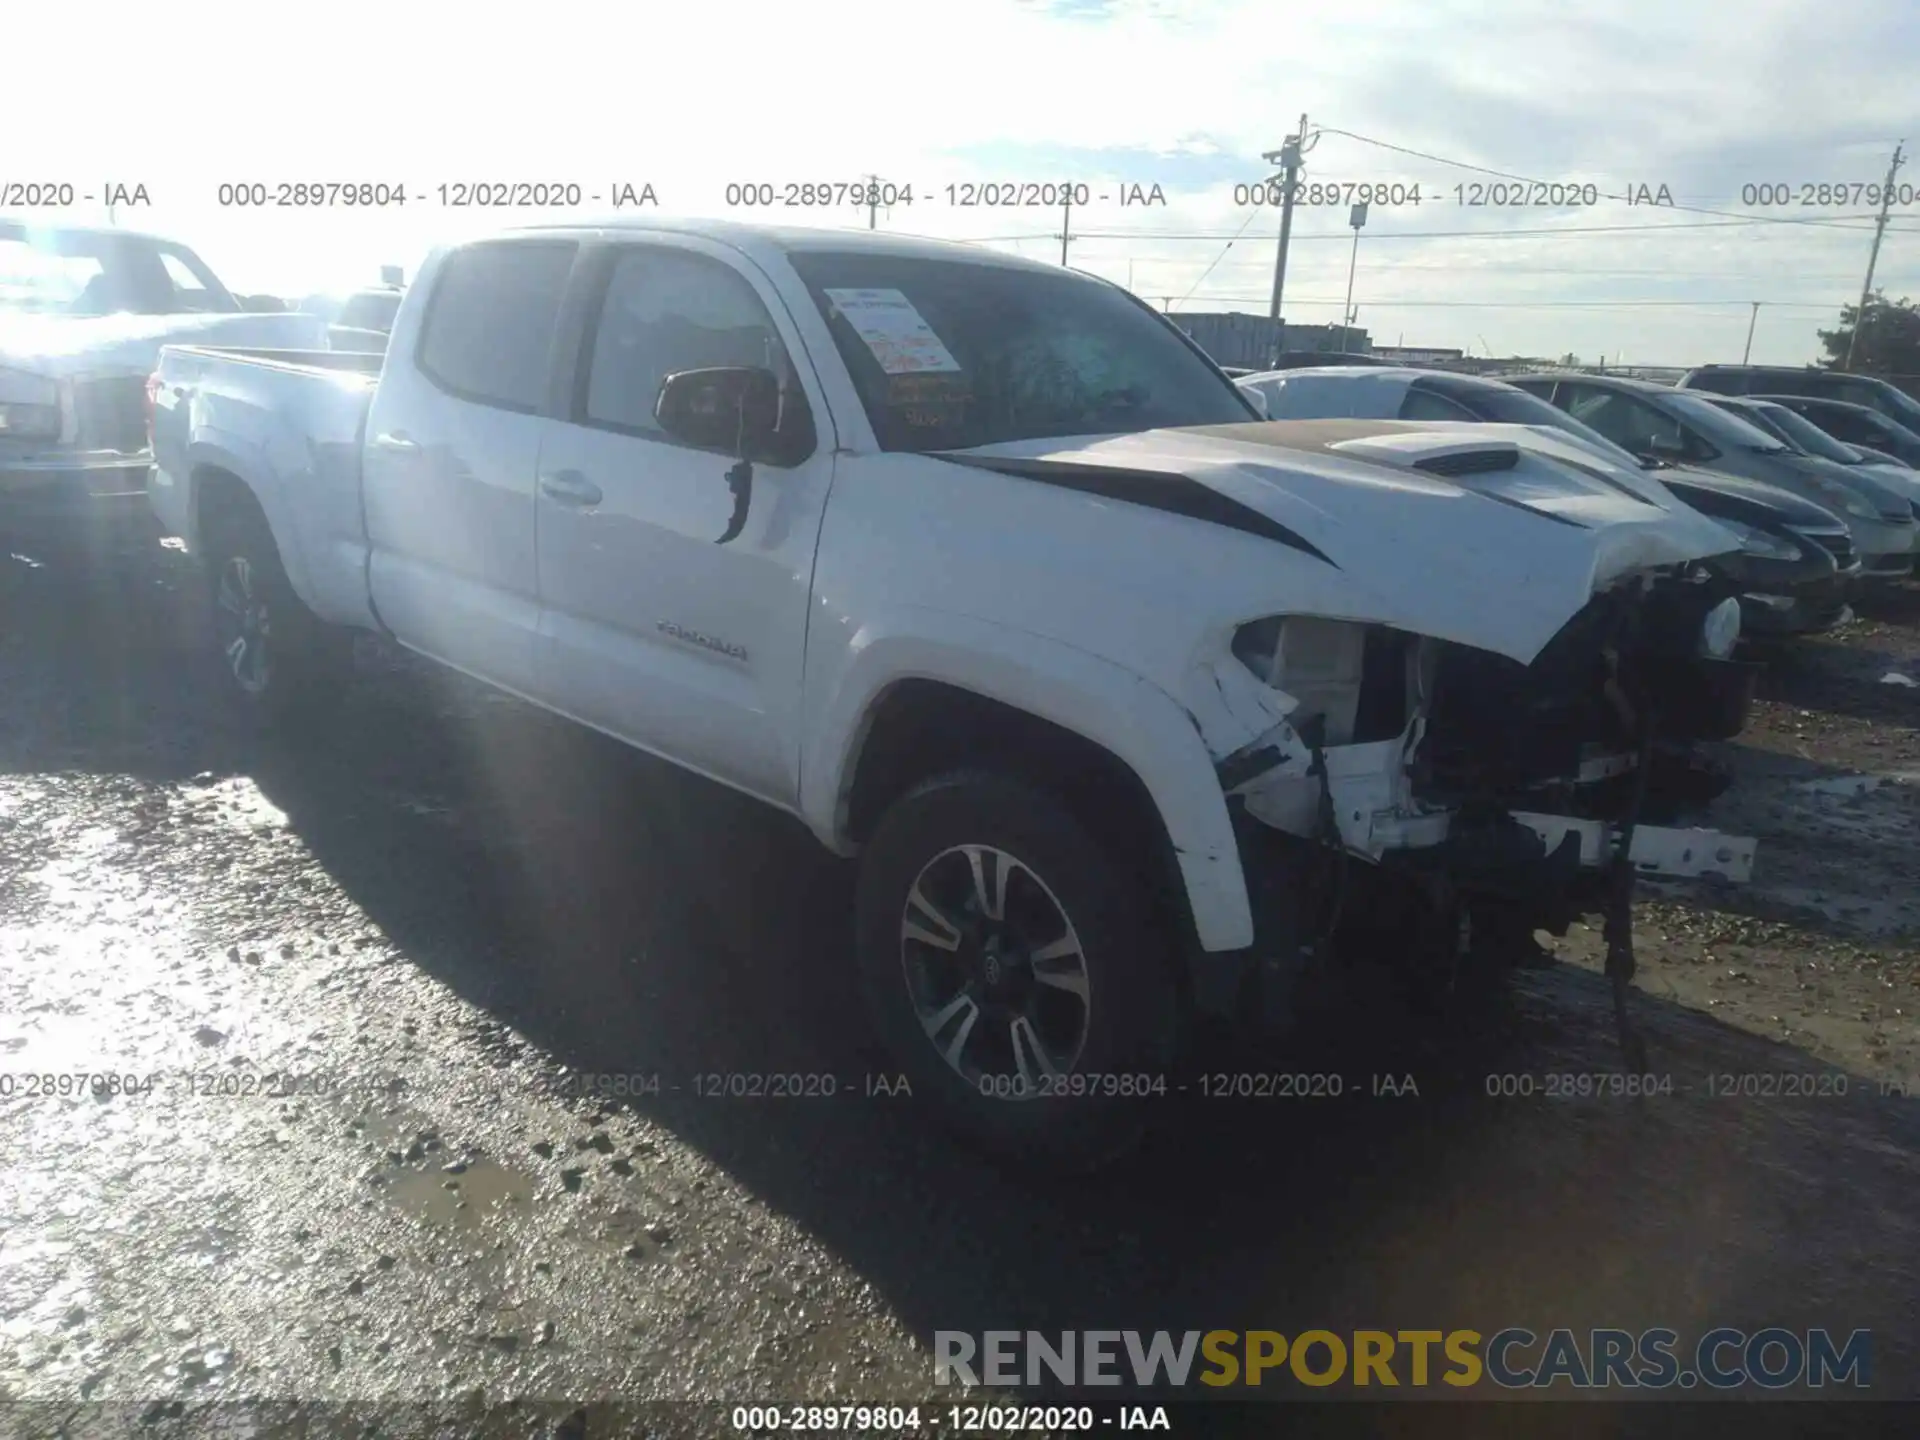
(491, 321)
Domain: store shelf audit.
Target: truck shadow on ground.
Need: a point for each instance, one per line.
(623, 916)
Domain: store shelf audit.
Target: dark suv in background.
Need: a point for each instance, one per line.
(1778, 380)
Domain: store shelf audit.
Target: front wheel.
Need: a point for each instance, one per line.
(1014, 971)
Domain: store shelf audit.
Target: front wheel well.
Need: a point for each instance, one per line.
(922, 728)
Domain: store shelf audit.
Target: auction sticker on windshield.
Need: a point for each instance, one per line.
(896, 333)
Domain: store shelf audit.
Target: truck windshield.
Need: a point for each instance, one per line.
(949, 355)
(87, 272)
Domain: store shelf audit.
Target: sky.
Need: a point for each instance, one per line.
(691, 99)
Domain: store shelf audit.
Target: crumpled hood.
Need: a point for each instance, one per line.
(64, 346)
(1499, 555)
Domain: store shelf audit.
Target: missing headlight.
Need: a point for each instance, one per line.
(1354, 677)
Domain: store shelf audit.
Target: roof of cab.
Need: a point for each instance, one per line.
(759, 240)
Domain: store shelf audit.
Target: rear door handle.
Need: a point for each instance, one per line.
(570, 487)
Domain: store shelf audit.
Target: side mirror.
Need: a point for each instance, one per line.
(263, 304)
(734, 409)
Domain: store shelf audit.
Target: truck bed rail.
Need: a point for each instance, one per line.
(356, 361)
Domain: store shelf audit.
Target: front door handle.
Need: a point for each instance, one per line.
(570, 487)
(397, 441)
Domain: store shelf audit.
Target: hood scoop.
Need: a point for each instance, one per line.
(1470, 462)
(1435, 452)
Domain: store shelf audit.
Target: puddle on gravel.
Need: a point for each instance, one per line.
(481, 1191)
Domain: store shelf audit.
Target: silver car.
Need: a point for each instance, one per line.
(1664, 423)
(1797, 432)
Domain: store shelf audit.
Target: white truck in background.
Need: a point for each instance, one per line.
(985, 572)
(83, 314)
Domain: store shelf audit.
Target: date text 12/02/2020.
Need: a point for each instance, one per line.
(950, 1420)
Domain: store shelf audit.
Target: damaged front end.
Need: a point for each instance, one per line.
(1473, 799)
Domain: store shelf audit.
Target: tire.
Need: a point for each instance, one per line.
(1107, 1009)
(291, 666)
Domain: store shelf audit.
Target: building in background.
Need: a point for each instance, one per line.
(1418, 354)
(1251, 341)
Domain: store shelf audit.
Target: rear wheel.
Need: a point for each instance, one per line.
(1015, 972)
(280, 664)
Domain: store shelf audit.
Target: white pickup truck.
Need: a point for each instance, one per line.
(83, 314)
(984, 571)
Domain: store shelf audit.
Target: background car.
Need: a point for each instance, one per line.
(1814, 384)
(84, 312)
(1313, 359)
(1795, 430)
(1867, 452)
(1796, 563)
(1665, 423)
(358, 321)
(1856, 425)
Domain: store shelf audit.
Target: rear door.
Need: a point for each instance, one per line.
(451, 445)
(662, 624)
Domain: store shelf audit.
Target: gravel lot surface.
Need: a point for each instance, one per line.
(439, 1002)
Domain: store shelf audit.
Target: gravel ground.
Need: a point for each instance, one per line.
(454, 928)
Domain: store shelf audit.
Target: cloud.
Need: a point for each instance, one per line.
(1699, 98)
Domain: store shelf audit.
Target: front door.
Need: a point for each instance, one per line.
(674, 597)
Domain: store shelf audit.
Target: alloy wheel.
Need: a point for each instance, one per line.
(995, 971)
(244, 626)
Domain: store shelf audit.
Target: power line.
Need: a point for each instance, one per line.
(1515, 234)
(1251, 215)
(1554, 270)
(1551, 304)
(1530, 180)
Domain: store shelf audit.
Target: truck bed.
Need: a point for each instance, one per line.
(289, 423)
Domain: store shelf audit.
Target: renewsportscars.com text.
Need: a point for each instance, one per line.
(1773, 1358)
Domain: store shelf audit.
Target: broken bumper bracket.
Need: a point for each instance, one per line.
(1658, 851)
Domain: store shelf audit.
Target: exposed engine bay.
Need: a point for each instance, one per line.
(1484, 799)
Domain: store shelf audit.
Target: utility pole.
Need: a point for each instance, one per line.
(1873, 256)
(1066, 224)
(1288, 158)
(1747, 353)
(873, 202)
